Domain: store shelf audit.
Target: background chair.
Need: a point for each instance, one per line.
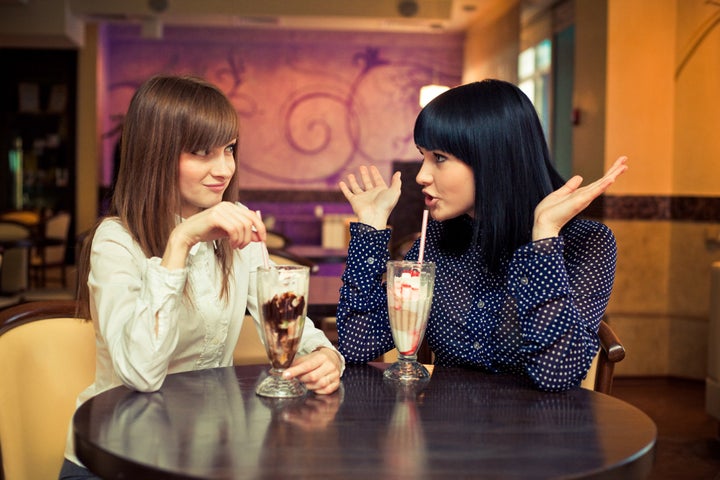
(277, 240)
(15, 238)
(249, 349)
(47, 357)
(47, 257)
(8, 300)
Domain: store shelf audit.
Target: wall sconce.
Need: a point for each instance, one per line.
(428, 92)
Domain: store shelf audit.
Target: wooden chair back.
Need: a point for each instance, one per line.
(612, 351)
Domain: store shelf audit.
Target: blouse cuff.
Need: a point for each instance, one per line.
(537, 272)
(368, 249)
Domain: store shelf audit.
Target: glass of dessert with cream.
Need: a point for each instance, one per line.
(409, 292)
(282, 299)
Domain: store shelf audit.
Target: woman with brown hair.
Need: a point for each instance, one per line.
(167, 276)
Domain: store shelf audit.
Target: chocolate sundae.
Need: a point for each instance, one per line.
(283, 320)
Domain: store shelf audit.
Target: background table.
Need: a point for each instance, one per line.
(323, 296)
(463, 424)
(319, 254)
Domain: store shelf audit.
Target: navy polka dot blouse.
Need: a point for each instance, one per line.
(537, 317)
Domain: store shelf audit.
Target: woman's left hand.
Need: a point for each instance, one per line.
(318, 370)
(555, 210)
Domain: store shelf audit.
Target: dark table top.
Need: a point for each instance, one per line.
(9, 243)
(463, 424)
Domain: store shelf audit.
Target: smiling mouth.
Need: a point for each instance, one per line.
(216, 187)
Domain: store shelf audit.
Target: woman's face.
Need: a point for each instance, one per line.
(448, 185)
(204, 176)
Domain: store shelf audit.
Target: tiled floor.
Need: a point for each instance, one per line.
(688, 445)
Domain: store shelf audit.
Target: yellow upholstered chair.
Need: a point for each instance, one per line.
(249, 349)
(47, 357)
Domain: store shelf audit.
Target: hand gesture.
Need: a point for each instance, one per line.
(555, 210)
(372, 201)
(224, 220)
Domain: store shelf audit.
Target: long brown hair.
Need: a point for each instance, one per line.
(167, 115)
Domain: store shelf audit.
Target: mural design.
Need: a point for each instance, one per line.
(312, 105)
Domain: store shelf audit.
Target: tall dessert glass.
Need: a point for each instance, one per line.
(282, 297)
(409, 291)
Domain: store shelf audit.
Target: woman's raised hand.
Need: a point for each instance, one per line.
(372, 201)
(224, 220)
(555, 210)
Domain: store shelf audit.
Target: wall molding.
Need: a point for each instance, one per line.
(609, 207)
(660, 208)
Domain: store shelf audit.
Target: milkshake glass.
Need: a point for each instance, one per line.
(409, 292)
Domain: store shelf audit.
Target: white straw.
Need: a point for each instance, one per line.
(265, 254)
(422, 236)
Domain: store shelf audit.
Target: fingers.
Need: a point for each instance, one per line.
(317, 371)
(227, 220)
(396, 181)
(355, 187)
(345, 190)
(370, 178)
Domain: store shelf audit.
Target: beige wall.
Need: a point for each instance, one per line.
(492, 47)
(641, 92)
(589, 87)
(696, 69)
(662, 111)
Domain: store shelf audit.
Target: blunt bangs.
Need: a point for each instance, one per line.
(442, 125)
(208, 120)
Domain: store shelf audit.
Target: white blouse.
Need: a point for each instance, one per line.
(129, 291)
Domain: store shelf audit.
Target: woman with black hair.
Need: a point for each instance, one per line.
(521, 283)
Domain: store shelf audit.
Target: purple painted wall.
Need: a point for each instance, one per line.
(313, 106)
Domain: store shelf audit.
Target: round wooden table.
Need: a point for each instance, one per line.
(461, 424)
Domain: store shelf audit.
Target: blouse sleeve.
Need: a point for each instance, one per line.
(362, 320)
(561, 287)
(134, 299)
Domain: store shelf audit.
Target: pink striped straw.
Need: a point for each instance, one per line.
(265, 254)
(422, 236)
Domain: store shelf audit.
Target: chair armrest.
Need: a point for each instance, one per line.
(610, 343)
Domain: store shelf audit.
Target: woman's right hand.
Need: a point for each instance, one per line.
(372, 201)
(224, 220)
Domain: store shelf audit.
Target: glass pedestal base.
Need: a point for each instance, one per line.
(406, 369)
(274, 386)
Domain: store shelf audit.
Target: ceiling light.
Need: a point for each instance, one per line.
(428, 92)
